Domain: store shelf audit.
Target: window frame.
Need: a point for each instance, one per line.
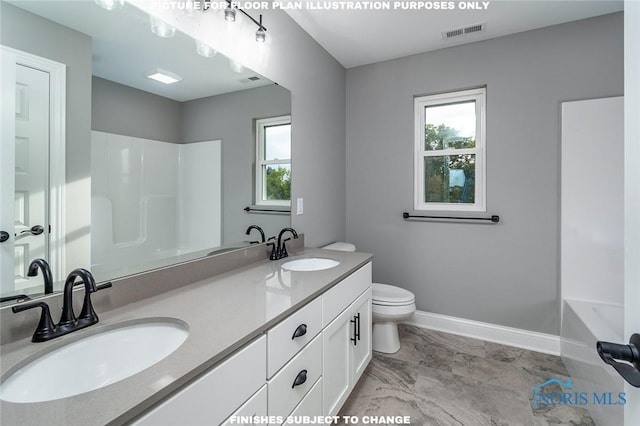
(260, 190)
(420, 102)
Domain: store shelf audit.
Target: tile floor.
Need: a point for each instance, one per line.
(444, 379)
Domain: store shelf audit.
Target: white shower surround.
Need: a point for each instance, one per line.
(592, 245)
(151, 200)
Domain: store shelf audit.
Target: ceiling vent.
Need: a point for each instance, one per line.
(459, 32)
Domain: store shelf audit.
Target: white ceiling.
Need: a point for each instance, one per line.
(124, 50)
(359, 37)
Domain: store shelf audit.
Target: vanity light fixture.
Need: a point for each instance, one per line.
(110, 4)
(161, 28)
(163, 76)
(230, 13)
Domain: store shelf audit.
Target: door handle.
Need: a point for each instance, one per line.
(4, 236)
(34, 230)
(611, 352)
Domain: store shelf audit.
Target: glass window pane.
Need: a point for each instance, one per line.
(450, 179)
(277, 142)
(277, 181)
(450, 126)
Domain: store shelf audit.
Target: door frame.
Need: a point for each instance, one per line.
(57, 140)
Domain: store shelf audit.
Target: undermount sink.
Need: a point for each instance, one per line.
(95, 361)
(310, 264)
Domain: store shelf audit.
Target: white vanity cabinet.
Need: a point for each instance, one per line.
(255, 406)
(216, 394)
(346, 339)
(306, 365)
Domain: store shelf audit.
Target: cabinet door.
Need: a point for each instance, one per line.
(361, 346)
(335, 359)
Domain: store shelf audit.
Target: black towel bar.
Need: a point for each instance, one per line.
(492, 219)
(256, 210)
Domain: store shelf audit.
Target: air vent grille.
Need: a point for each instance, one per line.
(454, 33)
(458, 32)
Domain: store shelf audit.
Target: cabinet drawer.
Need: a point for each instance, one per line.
(255, 406)
(344, 293)
(283, 396)
(282, 346)
(310, 406)
(211, 398)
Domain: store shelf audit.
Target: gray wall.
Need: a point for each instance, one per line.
(124, 110)
(317, 83)
(29, 33)
(230, 117)
(504, 274)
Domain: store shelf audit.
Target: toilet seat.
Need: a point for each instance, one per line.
(388, 295)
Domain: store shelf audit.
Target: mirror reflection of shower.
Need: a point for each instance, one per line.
(151, 200)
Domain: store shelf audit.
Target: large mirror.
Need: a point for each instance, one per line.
(155, 172)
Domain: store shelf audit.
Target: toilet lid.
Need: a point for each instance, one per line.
(384, 294)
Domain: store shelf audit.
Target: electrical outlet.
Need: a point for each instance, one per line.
(300, 208)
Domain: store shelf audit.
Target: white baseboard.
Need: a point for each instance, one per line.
(524, 339)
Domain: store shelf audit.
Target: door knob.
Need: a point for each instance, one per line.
(4, 236)
(612, 353)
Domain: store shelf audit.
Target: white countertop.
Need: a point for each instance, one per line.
(223, 312)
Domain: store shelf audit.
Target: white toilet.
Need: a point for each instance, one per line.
(389, 306)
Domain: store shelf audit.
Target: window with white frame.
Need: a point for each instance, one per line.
(450, 151)
(273, 162)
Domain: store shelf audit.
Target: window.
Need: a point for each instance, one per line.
(450, 151)
(273, 162)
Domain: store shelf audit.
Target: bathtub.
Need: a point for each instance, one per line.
(583, 324)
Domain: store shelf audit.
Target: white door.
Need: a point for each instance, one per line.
(31, 171)
(632, 191)
(32, 168)
(7, 158)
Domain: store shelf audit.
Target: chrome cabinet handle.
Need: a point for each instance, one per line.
(300, 379)
(4, 236)
(300, 331)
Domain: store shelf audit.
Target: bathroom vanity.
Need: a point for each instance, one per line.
(263, 340)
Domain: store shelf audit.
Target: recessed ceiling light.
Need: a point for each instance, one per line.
(163, 76)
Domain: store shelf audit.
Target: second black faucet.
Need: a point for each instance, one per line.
(279, 250)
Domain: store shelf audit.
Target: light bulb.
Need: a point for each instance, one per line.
(261, 35)
(230, 14)
(110, 4)
(205, 50)
(161, 28)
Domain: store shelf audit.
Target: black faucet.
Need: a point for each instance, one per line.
(279, 248)
(68, 318)
(46, 273)
(259, 230)
(68, 321)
